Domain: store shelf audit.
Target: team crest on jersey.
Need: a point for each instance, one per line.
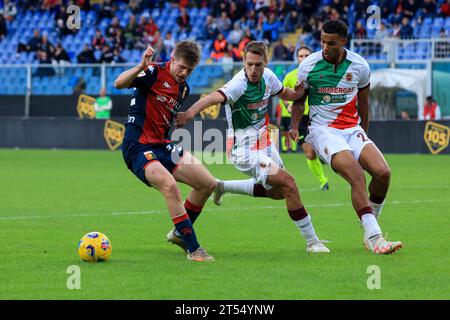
(113, 133)
(349, 76)
(166, 85)
(149, 155)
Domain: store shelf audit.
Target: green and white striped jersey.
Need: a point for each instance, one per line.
(247, 103)
(333, 89)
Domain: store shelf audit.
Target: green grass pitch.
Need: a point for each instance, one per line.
(49, 199)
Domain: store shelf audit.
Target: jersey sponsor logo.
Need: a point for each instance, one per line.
(258, 105)
(85, 107)
(335, 90)
(161, 98)
(114, 133)
(436, 136)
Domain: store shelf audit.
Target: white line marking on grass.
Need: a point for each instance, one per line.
(225, 208)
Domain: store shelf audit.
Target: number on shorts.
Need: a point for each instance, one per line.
(362, 136)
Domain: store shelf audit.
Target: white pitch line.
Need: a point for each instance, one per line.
(225, 208)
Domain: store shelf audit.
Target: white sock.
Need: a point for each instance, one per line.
(377, 208)
(239, 186)
(370, 225)
(307, 229)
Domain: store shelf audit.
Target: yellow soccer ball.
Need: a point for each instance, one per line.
(94, 247)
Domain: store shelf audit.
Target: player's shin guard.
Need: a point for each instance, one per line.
(303, 222)
(369, 223)
(184, 228)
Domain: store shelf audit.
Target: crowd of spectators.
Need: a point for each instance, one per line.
(228, 27)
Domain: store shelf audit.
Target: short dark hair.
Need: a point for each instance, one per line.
(335, 27)
(189, 51)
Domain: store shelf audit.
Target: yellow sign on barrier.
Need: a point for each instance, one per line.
(436, 136)
(211, 112)
(113, 133)
(86, 107)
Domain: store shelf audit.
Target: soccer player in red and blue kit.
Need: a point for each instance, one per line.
(160, 90)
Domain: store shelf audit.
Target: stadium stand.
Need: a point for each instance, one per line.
(129, 26)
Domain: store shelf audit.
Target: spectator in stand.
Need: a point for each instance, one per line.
(236, 11)
(9, 10)
(99, 40)
(184, 21)
(219, 6)
(219, 47)
(35, 41)
(119, 41)
(341, 7)
(107, 54)
(396, 30)
(281, 52)
(283, 10)
(3, 28)
(86, 55)
(292, 21)
(117, 58)
(50, 4)
(169, 44)
(135, 6)
(45, 71)
(113, 28)
(85, 5)
(151, 27)
(261, 6)
(252, 19)
(361, 9)
(445, 9)
(406, 31)
(442, 48)
(360, 32)
(47, 46)
(428, 9)
(409, 8)
(235, 35)
(60, 59)
(107, 11)
(223, 22)
(227, 66)
(431, 110)
(210, 32)
(131, 32)
(271, 29)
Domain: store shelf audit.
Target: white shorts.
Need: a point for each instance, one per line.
(256, 163)
(328, 141)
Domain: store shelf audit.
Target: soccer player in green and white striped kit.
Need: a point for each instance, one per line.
(337, 83)
(246, 97)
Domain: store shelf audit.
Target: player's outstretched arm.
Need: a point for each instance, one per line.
(125, 79)
(211, 99)
(292, 95)
(298, 108)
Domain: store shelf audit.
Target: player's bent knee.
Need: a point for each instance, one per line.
(170, 190)
(383, 174)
